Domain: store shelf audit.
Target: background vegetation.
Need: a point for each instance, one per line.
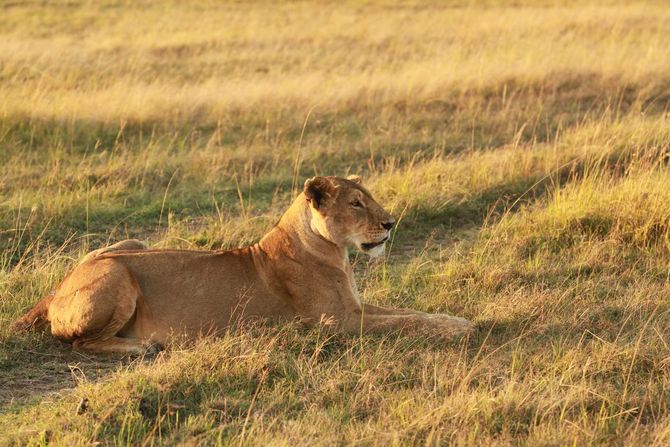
(523, 147)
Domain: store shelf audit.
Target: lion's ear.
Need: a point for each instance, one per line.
(355, 178)
(319, 191)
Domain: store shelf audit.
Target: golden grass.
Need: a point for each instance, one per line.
(523, 149)
(111, 63)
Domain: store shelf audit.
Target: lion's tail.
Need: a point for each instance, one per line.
(37, 317)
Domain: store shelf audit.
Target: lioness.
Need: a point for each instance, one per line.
(125, 298)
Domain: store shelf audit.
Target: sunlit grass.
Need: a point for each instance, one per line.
(522, 149)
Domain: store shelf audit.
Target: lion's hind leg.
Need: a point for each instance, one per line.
(93, 304)
(117, 345)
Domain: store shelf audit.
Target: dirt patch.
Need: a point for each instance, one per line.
(53, 367)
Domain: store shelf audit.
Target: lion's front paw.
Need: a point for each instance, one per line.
(452, 326)
(462, 325)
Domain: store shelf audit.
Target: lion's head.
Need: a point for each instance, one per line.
(344, 212)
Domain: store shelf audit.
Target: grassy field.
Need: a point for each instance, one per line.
(523, 147)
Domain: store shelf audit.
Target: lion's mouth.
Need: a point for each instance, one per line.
(370, 245)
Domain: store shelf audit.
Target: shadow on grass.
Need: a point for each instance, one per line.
(425, 222)
(453, 121)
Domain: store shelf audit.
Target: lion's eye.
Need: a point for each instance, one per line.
(357, 204)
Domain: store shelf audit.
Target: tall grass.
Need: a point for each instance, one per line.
(523, 149)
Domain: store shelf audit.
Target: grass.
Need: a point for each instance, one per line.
(522, 146)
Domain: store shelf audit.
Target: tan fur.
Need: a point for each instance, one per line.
(124, 298)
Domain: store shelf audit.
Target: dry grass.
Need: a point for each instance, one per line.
(523, 148)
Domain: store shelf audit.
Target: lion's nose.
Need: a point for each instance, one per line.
(388, 225)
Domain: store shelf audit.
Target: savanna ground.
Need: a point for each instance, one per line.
(522, 146)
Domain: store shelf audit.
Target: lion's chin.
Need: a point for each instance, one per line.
(374, 251)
